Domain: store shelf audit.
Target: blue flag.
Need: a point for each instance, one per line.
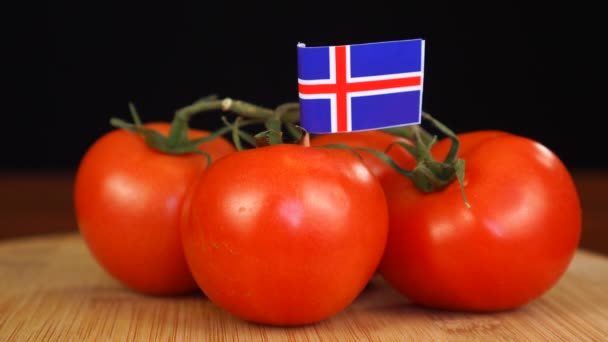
(360, 87)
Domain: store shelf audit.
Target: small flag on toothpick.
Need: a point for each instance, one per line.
(360, 87)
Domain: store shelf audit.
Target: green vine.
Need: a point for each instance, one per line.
(428, 175)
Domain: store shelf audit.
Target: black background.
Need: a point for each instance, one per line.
(533, 71)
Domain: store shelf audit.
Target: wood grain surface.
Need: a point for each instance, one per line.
(52, 290)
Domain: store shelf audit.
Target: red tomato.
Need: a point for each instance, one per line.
(509, 248)
(285, 234)
(467, 140)
(128, 198)
(376, 140)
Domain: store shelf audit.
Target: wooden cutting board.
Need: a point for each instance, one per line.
(52, 290)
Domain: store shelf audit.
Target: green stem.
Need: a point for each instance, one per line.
(237, 134)
(177, 142)
(453, 152)
(236, 138)
(291, 116)
(246, 109)
(285, 108)
(410, 132)
(134, 114)
(274, 124)
(179, 127)
(293, 130)
(431, 175)
(212, 103)
(247, 137)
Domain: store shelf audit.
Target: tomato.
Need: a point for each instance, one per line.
(467, 140)
(511, 246)
(285, 234)
(373, 139)
(128, 198)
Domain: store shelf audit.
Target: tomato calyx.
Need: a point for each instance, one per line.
(285, 116)
(273, 137)
(430, 175)
(177, 141)
(176, 145)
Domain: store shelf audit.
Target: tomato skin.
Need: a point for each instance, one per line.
(467, 140)
(509, 248)
(285, 234)
(128, 199)
(376, 140)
